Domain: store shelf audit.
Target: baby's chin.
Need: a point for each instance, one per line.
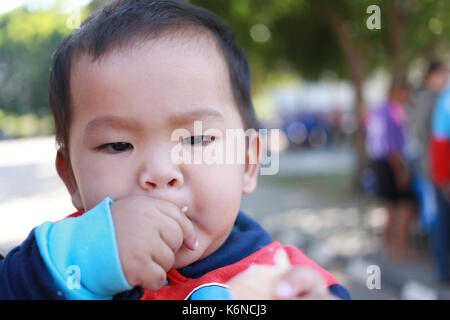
(185, 257)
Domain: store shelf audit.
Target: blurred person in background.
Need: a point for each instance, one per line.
(419, 124)
(386, 126)
(440, 173)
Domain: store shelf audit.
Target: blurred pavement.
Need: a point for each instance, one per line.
(30, 190)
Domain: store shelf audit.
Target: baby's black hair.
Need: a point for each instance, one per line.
(126, 22)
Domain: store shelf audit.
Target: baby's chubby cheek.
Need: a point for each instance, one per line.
(216, 197)
(216, 191)
(95, 182)
(93, 191)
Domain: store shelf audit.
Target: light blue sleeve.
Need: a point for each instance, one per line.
(82, 255)
(441, 116)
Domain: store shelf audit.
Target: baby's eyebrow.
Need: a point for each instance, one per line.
(191, 116)
(115, 122)
(131, 124)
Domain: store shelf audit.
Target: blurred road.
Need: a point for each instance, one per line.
(30, 190)
(307, 204)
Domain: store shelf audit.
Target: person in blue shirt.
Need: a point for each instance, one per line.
(440, 172)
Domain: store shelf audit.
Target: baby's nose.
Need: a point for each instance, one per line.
(161, 178)
(160, 183)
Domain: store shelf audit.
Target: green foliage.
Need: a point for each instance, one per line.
(428, 29)
(26, 125)
(27, 41)
(302, 37)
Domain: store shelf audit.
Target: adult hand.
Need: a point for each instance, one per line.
(303, 283)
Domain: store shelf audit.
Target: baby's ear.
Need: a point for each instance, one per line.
(252, 161)
(65, 172)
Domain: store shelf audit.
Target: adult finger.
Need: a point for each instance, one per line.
(298, 282)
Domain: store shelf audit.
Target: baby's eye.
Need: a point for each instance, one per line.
(116, 147)
(197, 140)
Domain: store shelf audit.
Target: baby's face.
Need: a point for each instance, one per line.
(125, 108)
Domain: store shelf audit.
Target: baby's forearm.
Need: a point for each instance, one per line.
(75, 258)
(82, 256)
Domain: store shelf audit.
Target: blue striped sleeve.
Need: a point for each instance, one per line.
(82, 256)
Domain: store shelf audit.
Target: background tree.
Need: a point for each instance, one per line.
(27, 40)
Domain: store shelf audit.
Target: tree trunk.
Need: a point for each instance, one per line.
(396, 18)
(354, 58)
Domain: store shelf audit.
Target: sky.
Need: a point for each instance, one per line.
(7, 5)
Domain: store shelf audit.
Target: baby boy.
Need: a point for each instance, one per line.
(149, 226)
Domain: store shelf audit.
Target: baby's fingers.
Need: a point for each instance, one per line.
(189, 234)
(301, 282)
